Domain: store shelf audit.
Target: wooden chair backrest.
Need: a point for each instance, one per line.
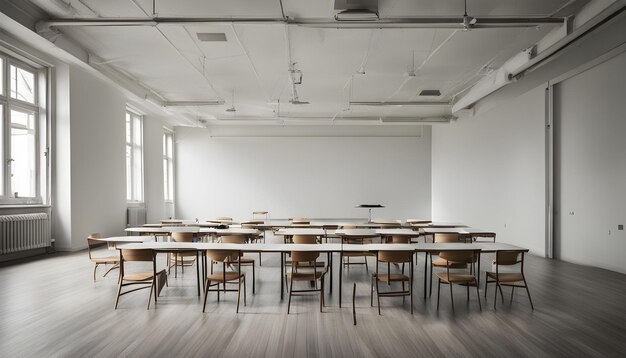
(300, 220)
(227, 218)
(460, 256)
(251, 224)
(233, 239)
(304, 239)
(137, 254)
(446, 237)
(509, 257)
(395, 257)
(221, 255)
(348, 226)
(304, 256)
(182, 236)
(92, 242)
(400, 239)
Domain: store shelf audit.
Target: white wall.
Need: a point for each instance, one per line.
(98, 172)
(591, 172)
(153, 168)
(301, 176)
(489, 171)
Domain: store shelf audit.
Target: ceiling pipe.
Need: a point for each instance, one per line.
(400, 103)
(193, 103)
(455, 22)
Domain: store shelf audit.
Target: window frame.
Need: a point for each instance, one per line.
(168, 162)
(8, 103)
(134, 199)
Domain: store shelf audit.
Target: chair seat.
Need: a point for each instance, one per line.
(357, 254)
(455, 277)
(392, 277)
(306, 276)
(101, 260)
(506, 277)
(306, 264)
(230, 276)
(444, 263)
(243, 261)
(137, 276)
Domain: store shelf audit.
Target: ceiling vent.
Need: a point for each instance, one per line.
(356, 10)
(211, 36)
(430, 92)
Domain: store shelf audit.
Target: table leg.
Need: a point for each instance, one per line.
(198, 271)
(478, 270)
(330, 265)
(340, 274)
(425, 273)
(282, 275)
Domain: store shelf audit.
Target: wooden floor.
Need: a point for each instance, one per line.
(49, 306)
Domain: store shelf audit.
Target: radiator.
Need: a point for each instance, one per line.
(24, 232)
(135, 216)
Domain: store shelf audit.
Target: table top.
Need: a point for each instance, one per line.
(230, 231)
(127, 239)
(397, 232)
(356, 233)
(164, 229)
(301, 231)
(457, 230)
(483, 247)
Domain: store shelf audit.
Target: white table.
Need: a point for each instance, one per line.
(463, 232)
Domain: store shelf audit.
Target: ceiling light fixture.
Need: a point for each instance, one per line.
(211, 36)
(468, 21)
(357, 15)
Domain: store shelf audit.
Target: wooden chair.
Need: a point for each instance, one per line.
(363, 254)
(467, 279)
(93, 242)
(508, 258)
(297, 274)
(242, 260)
(305, 240)
(439, 262)
(396, 258)
(181, 259)
(252, 224)
(145, 279)
(225, 277)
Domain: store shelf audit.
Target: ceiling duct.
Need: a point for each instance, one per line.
(356, 10)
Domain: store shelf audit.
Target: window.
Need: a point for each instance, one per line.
(22, 146)
(168, 166)
(134, 157)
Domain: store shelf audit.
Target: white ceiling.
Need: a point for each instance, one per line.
(254, 60)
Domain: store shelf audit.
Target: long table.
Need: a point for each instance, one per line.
(426, 248)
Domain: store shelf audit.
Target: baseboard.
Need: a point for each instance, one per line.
(24, 254)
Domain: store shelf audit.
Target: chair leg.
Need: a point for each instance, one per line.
(528, 292)
(253, 275)
(289, 300)
(480, 306)
(372, 292)
(495, 297)
(94, 272)
(438, 292)
(111, 269)
(245, 294)
(175, 265)
(206, 294)
(512, 290)
(150, 295)
(501, 292)
(238, 294)
(431, 280)
(451, 296)
(467, 292)
(119, 290)
(321, 295)
(259, 265)
(378, 296)
(486, 282)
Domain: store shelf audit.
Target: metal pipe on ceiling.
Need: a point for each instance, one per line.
(452, 22)
(400, 103)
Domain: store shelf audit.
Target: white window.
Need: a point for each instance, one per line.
(168, 166)
(134, 157)
(21, 146)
